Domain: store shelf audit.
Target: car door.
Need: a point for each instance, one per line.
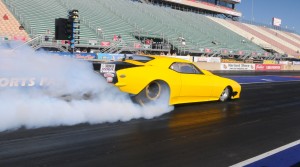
(195, 85)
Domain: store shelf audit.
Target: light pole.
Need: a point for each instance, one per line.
(252, 18)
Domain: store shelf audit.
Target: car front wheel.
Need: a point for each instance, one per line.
(226, 94)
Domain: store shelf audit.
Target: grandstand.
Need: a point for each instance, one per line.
(169, 25)
(269, 39)
(10, 28)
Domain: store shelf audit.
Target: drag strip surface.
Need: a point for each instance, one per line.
(203, 134)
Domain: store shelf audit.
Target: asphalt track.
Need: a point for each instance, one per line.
(203, 134)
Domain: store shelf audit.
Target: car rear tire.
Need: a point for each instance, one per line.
(154, 92)
(226, 94)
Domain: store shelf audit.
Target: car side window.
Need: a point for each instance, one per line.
(175, 67)
(185, 68)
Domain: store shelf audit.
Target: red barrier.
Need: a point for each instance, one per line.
(137, 45)
(20, 38)
(207, 50)
(103, 43)
(65, 42)
(267, 67)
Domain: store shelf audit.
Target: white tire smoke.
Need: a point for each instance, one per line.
(34, 88)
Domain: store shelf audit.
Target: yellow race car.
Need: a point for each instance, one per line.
(156, 78)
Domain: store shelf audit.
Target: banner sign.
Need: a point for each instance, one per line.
(200, 59)
(103, 43)
(207, 50)
(85, 56)
(232, 61)
(276, 21)
(224, 52)
(207, 59)
(253, 53)
(269, 62)
(237, 66)
(284, 62)
(240, 52)
(138, 45)
(65, 42)
(20, 38)
(255, 61)
(15, 82)
(110, 57)
(189, 58)
(214, 60)
(296, 62)
(267, 67)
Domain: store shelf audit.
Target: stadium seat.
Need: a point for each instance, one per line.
(102, 20)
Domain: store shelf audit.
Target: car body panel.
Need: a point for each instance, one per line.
(184, 88)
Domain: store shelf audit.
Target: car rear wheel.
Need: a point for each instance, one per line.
(226, 94)
(156, 91)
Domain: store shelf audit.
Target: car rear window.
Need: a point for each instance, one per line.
(143, 59)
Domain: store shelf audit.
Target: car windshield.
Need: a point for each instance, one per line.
(139, 58)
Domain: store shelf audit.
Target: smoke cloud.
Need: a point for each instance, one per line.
(41, 89)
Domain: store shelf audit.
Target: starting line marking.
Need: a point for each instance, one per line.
(267, 154)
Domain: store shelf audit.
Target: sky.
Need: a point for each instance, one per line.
(264, 10)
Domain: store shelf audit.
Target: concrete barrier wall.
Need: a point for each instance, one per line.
(292, 67)
(209, 66)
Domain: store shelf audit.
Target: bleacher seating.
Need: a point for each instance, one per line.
(280, 45)
(38, 16)
(9, 26)
(249, 36)
(292, 44)
(133, 21)
(286, 46)
(297, 37)
(102, 15)
(287, 36)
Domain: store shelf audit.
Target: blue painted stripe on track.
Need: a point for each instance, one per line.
(287, 157)
(263, 79)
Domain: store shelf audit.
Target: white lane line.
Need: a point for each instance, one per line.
(267, 154)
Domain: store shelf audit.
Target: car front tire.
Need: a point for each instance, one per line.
(226, 94)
